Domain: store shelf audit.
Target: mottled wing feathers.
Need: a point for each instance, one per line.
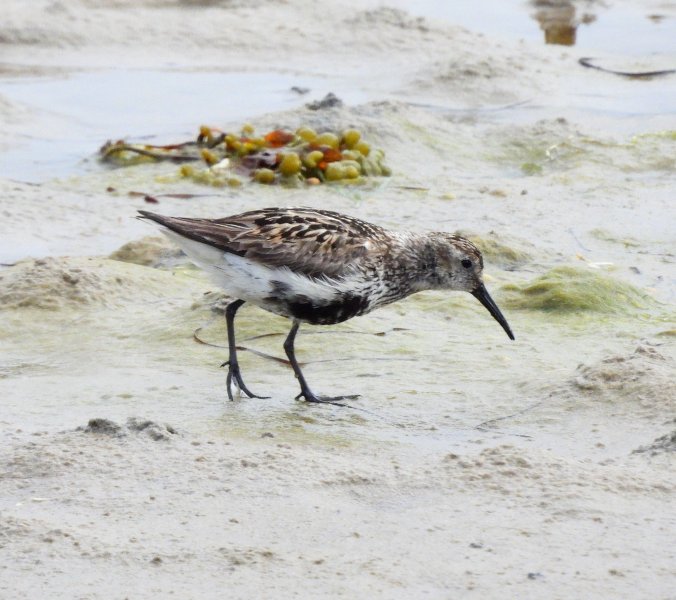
(200, 230)
(308, 241)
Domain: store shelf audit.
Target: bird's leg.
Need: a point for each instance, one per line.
(305, 391)
(233, 365)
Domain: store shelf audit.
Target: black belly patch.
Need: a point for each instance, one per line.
(341, 309)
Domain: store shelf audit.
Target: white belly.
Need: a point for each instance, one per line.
(251, 281)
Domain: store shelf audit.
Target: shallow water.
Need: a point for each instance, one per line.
(622, 29)
(76, 113)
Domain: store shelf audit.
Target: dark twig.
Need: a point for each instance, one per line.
(485, 425)
(586, 62)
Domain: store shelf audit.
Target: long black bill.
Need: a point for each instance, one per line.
(482, 295)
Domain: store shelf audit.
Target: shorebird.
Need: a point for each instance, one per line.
(320, 267)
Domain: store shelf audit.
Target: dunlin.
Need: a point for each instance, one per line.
(321, 267)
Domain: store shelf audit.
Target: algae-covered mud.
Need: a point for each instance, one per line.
(471, 465)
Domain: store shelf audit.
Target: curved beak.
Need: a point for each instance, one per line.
(482, 295)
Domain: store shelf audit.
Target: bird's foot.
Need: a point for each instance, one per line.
(234, 375)
(310, 396)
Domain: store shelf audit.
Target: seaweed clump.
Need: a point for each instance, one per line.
(572, 289)
(279, 156)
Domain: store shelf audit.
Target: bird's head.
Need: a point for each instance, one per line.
(458, 265)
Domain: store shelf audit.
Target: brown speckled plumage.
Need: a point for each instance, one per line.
(322, 267)
(308, 241)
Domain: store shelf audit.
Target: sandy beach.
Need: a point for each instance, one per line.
(471, 466)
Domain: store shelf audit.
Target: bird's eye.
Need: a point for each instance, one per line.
(466, 263)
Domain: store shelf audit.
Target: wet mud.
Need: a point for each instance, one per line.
(470, 464)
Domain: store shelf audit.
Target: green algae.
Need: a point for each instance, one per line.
(572, 289)
(496, 251)
(62, 284)
(549, 146)
(531, 168)
(555, 147)
(434, 302)
(606, 236)
(147, 251)
(666, 134)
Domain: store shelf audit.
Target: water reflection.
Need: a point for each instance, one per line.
(625, 28)
(559, 20)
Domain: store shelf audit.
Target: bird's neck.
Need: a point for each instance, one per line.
(416, 258)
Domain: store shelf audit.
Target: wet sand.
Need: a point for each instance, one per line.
(471, 466)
